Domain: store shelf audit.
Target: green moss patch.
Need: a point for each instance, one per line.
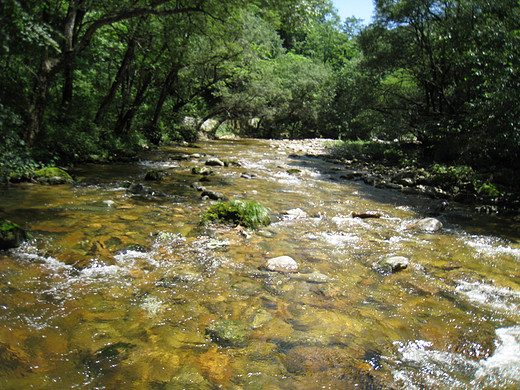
(52, 176)
(237, 212)
(11, 235)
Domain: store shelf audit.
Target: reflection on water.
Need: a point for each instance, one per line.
(120, 284)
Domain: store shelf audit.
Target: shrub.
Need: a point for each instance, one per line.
(237, 212)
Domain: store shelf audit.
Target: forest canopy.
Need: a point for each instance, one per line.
(82, 80)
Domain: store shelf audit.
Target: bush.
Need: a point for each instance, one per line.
(237, 212)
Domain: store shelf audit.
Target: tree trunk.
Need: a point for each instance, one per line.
(125, 119)
(165, 92)
(36, 110)
(123, 69)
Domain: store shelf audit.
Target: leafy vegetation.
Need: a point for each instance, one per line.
(97, 81)
(237, 212)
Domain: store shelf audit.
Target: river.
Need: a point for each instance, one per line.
(119, 287)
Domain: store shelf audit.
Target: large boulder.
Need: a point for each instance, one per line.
(11, 235)
(52, 176)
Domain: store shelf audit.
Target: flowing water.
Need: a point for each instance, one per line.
(118, 287)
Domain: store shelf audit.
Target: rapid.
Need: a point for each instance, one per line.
(119, 284)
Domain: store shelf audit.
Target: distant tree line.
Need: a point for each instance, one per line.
(82, 79)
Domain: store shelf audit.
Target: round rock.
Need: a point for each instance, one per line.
(394, 263)
(284, 264)
(429, 225)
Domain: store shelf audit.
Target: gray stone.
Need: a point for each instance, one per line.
(394, 264)
(296, 214)
(213, 195)
(429, 225)
(284, 264)
(215, 162)
(201, 171)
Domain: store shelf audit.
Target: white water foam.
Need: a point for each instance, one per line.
(491, 246)
(502, 370)
(419, 366)
(500, 299)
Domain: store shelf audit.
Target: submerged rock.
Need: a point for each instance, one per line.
(284, 264)
(228, 333)
(11, 235)
(428, 225)
(52, 176)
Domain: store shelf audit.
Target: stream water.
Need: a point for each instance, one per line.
(117, 288)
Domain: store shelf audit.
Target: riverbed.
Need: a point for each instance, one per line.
(120, 283)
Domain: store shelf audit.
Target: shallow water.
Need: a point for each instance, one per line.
(117, 289)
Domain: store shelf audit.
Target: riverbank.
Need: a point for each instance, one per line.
(483, 189)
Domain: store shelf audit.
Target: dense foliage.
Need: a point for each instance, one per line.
(89, 80)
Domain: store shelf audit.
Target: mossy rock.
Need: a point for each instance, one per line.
(52, 176)
(201, 171)
(154, 175)
(228, 333)
(237, 212)
(489, 190)
(11, 235)
(294, 171)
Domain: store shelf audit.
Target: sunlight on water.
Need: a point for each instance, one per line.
(121, 288)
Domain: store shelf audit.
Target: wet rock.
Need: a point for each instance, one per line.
(52, 176)
(11, 235)
(428, 225)
(228, 333)
(108, 357)
(215, 162)
(296, 214)
(351, 174)
(266, 233)
(367, 214)
(137, 189)
(216, 366)
(371, 180)
(15, 361)
(314, 278)
(405, 178)
(213, 195)
(293, 171)
(284, 264)
(205, 171)
(248, 176)
(393, 186)
(393, 264)
(197, 186)
(154, 175)
(260, 318)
